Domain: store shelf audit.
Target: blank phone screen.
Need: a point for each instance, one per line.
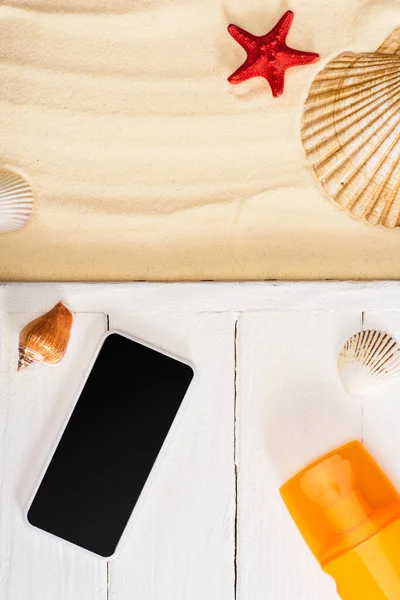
(109, 445)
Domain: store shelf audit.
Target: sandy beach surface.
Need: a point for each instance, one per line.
(147, 164)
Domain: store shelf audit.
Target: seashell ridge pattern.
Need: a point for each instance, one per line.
(367, 361)
(16, 201)
(351, 132)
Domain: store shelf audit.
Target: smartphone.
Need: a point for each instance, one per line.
(110, 443)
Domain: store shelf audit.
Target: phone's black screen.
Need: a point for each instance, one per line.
(110, 444)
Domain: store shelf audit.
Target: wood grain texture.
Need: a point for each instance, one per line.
(33, 408)
(291, 408)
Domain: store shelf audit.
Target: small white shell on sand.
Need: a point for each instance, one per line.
(367, 361)
(16, 201)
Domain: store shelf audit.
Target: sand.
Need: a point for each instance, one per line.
(147, 164)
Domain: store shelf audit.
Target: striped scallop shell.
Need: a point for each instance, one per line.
(367, 361)
(16, 201)
(351, 132)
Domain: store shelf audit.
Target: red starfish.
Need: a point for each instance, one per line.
(268, 55)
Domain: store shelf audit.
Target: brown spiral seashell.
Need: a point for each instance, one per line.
(46, 338)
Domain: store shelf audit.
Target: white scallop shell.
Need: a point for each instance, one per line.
(351, 132)
(367, 361)
(16, 201)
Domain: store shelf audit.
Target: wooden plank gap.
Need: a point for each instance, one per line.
(362, 405)
(235, 557)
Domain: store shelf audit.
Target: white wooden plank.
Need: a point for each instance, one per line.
(291, 408)
(168, 554)
(33, 407)
(181, 543)
(202, 297)
(382, 411)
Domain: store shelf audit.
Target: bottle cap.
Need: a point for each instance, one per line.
(340, 501)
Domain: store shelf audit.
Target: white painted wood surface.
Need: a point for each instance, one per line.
(33, 406)
(291, 409)
(267, 399)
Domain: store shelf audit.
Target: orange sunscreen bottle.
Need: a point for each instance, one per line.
(348, 512)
